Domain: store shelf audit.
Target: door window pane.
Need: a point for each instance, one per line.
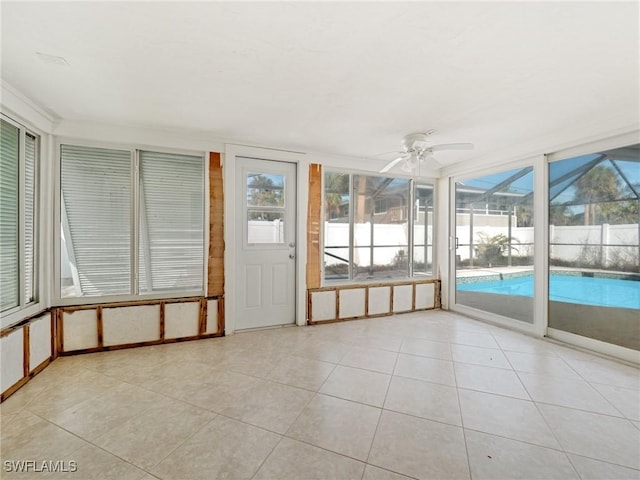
(594, 249)
(264, 190)
(265, 208)
(494, 243)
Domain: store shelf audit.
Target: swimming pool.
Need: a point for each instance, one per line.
(604, 292)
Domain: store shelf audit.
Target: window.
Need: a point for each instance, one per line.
(376, 227)
(171, 222)
(96, 214)
(380, 206)
(18, 162)
(423, 230)
(594, 246)
(130, 223)
(494, 243)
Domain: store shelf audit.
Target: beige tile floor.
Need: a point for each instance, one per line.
(422, 395)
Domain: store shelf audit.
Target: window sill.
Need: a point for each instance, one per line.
(18, 314)
(378, 281)
(74, 301)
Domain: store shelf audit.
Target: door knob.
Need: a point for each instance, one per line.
(292, 256)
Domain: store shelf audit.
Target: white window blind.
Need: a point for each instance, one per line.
(29, 217)
(171, 252)
(96, 216)
(9, 216)
(99, 235)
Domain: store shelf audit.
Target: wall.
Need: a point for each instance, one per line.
(352, 302)
(93, 328)
(23, 336)
(27, 348)
(25, 351)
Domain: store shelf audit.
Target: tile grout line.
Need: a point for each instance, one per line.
(188, 437)
(268, 456)
(90, 442)
(464, 433)
(595, 389)
(384, 401)
(546, 422)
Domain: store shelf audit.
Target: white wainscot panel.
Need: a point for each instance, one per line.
(123, 325)
(402, 298)
(212, 316)
(425, 295)
(379, 300)
(181, 319)
(80, 330)
(11, 355)
(352, 303)
(39, 340)
(323, 306)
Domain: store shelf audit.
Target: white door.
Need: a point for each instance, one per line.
(265, 249)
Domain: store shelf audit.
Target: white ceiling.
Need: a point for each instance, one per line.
(342, 78)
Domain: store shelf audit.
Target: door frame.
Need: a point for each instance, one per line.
(229, 185)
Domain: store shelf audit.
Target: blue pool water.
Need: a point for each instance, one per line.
(604, 292)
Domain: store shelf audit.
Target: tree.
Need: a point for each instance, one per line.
(263, 192)
(624, 211)
(336, 189)
(560, 215)
(598, 185)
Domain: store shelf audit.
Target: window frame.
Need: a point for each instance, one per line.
(134, 149)
(411, 274)
(26, 306)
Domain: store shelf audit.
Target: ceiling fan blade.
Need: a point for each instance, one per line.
(452, 146)
(392, 164)
(396, 152)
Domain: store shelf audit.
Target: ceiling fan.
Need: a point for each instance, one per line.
(417, 150)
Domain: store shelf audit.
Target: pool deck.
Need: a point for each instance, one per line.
(485, 272)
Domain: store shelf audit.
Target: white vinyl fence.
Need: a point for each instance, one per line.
(569, 243)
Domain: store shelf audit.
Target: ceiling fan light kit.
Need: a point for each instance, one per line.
(417, 150)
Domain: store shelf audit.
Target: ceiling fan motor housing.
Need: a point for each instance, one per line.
(416, 142)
